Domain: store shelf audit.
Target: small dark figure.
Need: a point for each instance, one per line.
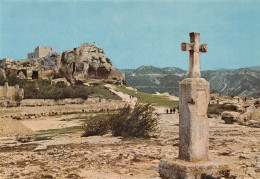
(171, 110)
(238, 100)
(245, 99)
(167, 111)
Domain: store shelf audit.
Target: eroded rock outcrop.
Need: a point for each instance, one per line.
(82, 63)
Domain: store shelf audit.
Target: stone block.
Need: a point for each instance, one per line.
(179, 169)
(194, 125)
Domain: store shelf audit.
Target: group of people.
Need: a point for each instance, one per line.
(171, 111)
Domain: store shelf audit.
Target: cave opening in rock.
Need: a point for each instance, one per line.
(23, 71)
(92, 72)
(35, 75)
(73, 68)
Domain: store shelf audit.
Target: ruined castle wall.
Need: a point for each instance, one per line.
(44, 51)
(10, 95)
(41, 52)
(51, 50)
(30, 55)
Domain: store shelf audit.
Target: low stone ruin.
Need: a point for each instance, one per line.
(60, 80)
(81, 63)
(10, 95)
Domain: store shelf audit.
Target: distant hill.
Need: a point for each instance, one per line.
(235, 82)
(255, 68)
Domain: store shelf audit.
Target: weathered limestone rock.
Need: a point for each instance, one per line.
(89, 62)
(180, 169)
(253, 113)
(230, 117)
(63, 80)
(82, 63)
(21, 75)
(2, 72)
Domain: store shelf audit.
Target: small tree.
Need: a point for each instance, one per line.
(13, 80)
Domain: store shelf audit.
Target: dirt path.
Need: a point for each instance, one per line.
(125, 97)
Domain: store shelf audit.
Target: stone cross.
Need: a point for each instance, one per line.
(193, 105)
(193, 161)
(194, 48)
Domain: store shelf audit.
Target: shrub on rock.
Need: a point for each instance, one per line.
(95, 126)
(137, 122)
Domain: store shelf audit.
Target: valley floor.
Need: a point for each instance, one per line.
(68, 155)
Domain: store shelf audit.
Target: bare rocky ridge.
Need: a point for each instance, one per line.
(82, 63)
(238, 82)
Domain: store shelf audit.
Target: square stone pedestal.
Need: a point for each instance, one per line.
(180, 169)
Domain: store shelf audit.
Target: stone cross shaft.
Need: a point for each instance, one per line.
(194, 48)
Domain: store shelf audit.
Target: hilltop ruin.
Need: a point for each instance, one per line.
(81, 63)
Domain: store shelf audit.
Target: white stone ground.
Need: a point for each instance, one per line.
(72, 156)
(46, 123)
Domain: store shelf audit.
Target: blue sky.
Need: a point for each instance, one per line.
(134, 33)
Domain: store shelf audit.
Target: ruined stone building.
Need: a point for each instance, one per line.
(42, 52)
(27, 69)
(81, 63)
(10, 95)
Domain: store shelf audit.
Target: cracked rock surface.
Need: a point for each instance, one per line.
(72, 156)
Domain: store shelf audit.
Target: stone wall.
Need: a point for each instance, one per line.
(49, 107)
(31, 55)
(10, 95)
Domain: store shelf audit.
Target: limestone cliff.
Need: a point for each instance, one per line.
(82, 63)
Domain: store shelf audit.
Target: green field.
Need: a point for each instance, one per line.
(155, 100)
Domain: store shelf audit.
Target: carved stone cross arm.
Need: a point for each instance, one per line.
(190, 47)
(194, 48)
